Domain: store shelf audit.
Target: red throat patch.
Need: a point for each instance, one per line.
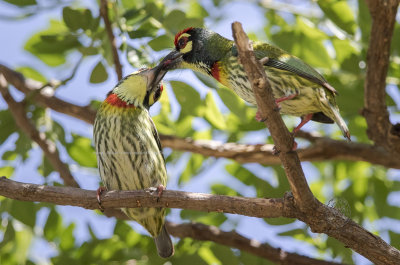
(215, 71)
(179, 34)
(115, 101)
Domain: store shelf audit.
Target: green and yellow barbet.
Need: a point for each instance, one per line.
(299, 90)
(128, 148)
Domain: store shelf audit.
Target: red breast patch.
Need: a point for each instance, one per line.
(215, 71)
(115, 101)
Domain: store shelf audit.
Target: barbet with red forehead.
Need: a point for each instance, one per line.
(299, 89)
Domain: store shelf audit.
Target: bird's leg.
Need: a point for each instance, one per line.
(278, 100)
(99, 192)
(278, 107)
(304, 120)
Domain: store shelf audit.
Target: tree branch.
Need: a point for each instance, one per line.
(49, 148)
(380, 130)
(255, 207)
(232, 239)
(324, 220)
(110, 34)
(280, 134)
(322, 148)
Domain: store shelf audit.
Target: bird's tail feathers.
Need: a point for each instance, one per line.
(164, 244)
(340, 122)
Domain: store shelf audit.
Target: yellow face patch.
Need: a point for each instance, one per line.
(134, 87)
(184, 44)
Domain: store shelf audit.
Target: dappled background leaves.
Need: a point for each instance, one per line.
(332, 37)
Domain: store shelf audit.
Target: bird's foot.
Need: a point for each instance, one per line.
(294, 147)
(275, 151)
(259, 117)
(98, 196)
(160, 190)
(264, 60)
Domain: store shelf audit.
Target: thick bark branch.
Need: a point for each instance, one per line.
(319, 217)
(232, 239)
(380, 130)
(49, 148)
(280, 134)
(324, 220)
(255, 207)
(111, 38)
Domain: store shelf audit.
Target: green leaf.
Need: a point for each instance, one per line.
(78, 18)
(6, 171)
(340, 13)
(212, 113)
(21, 2)
(233, 102)
(51, 45)
(208, 256)
(192, 167)
(188, 98)
(99, 74)
(32, 73)
(24, 212)
(394, 239)
(176, 20)
(211, 218)
(222, 189)
(8, 236)
(196, 10)
(81, 150)
(161, 42)
(23, 145)
(346, 55)
(7, 124)
(45, 169)
(53, 225)
(67, 238)
(147, 29)
(9, 155)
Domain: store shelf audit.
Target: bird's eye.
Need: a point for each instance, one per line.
(157, 93)
(182, 42)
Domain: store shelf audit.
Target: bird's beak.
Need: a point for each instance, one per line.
(156, 74)
(171, 61)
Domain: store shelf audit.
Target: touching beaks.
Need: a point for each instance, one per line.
(156, 74)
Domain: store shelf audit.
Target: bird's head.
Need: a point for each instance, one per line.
(142, 88)
(198, 49)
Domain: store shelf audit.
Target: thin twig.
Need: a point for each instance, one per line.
(110, 34)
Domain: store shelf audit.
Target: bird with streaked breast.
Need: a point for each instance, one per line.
(128, 148)
(299, 90)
